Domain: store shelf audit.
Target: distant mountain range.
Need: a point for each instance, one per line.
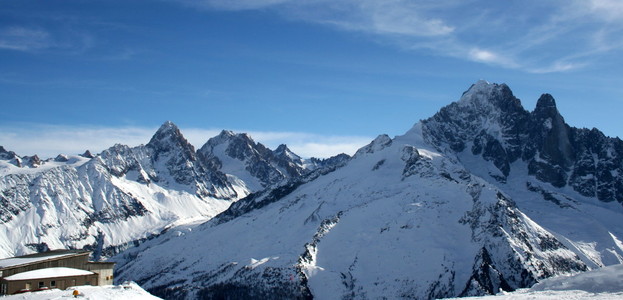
(481, 197)
(110, 201)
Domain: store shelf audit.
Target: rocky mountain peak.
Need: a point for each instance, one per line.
(88, 154)
(546, 101)
(226, 134)
(546, 108)
(167, 129)
(380, 142)
(169, 138)
(283, 151)
(61, 158)
(10, 156)
(487, 113)
(489, 97)
(232, 139)
(32, 161)
(4, 154)
(489, 122)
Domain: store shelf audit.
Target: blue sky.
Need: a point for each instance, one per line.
(323, 76)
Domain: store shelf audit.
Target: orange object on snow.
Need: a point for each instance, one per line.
(76, 293)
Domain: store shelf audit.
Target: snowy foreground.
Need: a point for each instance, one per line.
(110, 292)
(604, 283)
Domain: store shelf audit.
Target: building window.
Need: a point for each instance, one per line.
(41, 284)
(3, 289)
(53, 283)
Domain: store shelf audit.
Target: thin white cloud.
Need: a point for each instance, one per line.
(400, 18)
(232, 5)
(539, 37)
(490, 57)
(558, 66)
(50, 140)
(608, 10)
(393, 17)
(24, 39)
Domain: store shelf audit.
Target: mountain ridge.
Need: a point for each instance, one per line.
(113, 200)
(450, 208)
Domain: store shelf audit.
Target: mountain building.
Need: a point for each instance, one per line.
(52, 269)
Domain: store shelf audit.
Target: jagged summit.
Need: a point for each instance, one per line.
(5, 154)
(239, 155)
(545, 101)
(226, 133)
(87, 154)
(489, 122)
(167, 130)
(282, 149)
(169, 138)
(486, 98)
(284, 152)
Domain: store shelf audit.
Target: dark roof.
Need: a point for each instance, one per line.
(38, 257)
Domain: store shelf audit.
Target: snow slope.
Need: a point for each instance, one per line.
(126, 195)
(107, 202)
(605, 283)
(396, 221)
(125, 291)
(463, 204)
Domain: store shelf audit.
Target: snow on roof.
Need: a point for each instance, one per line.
(48, 273)
(28, 259)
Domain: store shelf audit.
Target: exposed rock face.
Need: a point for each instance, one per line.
(490, 122)
(256, 165)
(10, 156)
(169, 148)
(87, 154)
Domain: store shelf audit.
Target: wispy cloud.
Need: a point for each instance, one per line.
(24, 39)
(490, 57)
(395, 18)
(543, 37)
(232, 5)
(27, 39)
(51, 140)
(607, 10)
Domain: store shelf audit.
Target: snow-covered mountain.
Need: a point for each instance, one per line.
(489, 122)
(483, 196)
(123, 195)
(256, 166)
